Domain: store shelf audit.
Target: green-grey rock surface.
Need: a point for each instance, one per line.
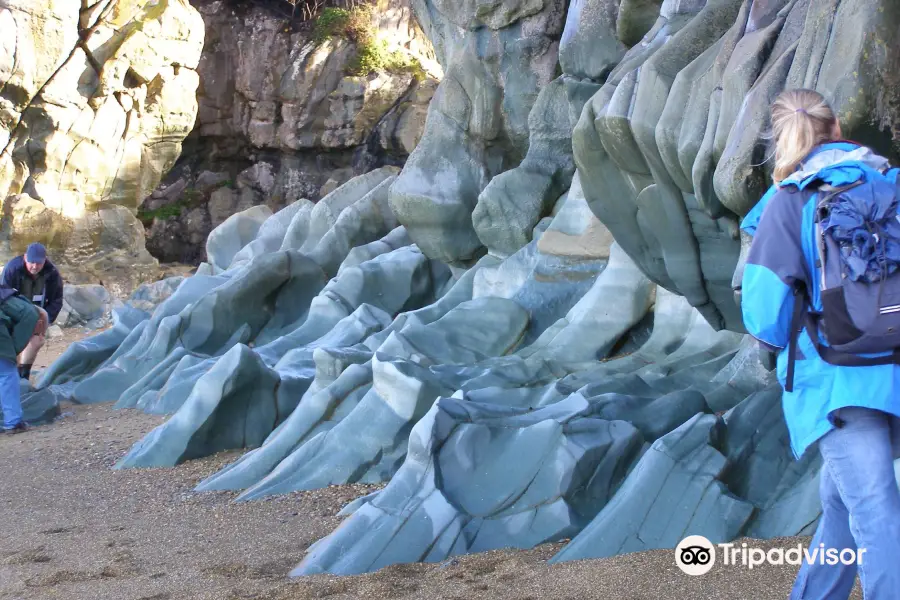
(530, 332)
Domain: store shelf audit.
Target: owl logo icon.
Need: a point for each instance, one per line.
(695, 555)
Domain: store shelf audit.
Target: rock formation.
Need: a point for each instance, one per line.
(497, 58)
(326, 342)
(282, 112)
(672, 148)
(528, 343)
(670, 145)
(96, 99)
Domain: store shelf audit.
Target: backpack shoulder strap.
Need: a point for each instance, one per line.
(833, 357)
(801, 319)
(797, 323)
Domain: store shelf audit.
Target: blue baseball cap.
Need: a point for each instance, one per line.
(36, 253)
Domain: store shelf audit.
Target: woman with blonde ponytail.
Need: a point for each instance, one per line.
(852, 413)
(801, 120)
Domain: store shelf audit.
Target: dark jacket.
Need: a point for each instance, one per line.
(13, 276)
(6, 292)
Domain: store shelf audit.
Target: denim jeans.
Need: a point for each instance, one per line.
(860, 509)
(10, 397)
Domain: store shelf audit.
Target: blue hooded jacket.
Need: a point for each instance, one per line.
(784, 252)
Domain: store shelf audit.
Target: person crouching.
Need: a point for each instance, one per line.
(36, 279)
(23, 327)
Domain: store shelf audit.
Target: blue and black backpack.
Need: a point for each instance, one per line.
(857, 230)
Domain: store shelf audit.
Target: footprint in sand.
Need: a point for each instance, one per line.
(57, 530)
(24, 557)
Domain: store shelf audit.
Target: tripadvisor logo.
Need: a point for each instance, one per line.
(696, 555)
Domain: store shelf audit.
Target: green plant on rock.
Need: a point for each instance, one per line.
(331, 23)
(372, 54)
(355, 25)
(190, 198)
(375, 57)
(369, 58)
(401, 62)
(163, 212)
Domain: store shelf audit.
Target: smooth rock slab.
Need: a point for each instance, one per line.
(546, 286)
(231, 406)
(150, 295)
(82, 357)
(574, 230)
(674, 491)
(478, 120)
(230, 237)
(38, 407)
(764, 470)
(343, 376)
(315, 413)
(618, 298)
(479, 477)
(205, 320)
(403, 390)
(195, 387)
(513, 202)
(84, 305)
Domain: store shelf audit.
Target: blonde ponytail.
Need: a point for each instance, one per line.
(801, 120)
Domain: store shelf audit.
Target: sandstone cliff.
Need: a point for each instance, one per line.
(284, 107)
(95, 100)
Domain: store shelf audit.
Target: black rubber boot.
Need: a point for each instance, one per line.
(22, 427)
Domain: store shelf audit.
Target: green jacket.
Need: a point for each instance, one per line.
(18, 317)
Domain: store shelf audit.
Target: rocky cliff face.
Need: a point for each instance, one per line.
(498, 57)
(673, 147)
(281, 113)
(95, 100)
(661, 106)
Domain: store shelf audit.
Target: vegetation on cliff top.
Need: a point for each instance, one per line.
(372, 53)
(304, 11)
